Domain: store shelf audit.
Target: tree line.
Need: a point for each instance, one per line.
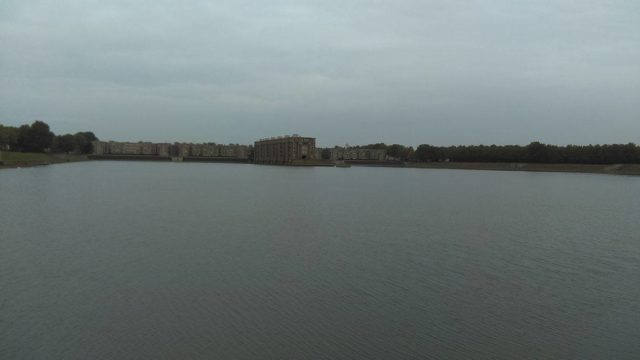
(535, 152)
(37, 137)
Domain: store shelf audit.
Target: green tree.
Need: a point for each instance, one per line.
(8, 137)
(325, 154)
(83, 142)
(377, 146)
(400, 152)
(537, 152)
(35, 138)
(409, 154)
(64, 143)
(426, 153)
(395, 150)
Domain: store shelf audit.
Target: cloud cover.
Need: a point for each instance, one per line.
(439, 72)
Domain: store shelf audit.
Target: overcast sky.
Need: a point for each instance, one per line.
(439, 72)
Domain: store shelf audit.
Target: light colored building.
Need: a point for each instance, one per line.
(163, 149)
(166, 150)
(129, 148)
(350, 153)
(99, 147)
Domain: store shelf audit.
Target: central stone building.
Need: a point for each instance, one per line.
(284, 150)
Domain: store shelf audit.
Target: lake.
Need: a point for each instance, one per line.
(118, 260)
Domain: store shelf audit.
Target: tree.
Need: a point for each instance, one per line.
(325, 154)
(377, 146)
(400, 152)
(35, 138)
(409, 154)
(8, 137)
(64, 143)
(83, 142)
(427, 153)
(537, 152)
(395, 151)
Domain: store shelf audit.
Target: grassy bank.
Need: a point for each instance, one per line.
(9, 159)
(615, 169)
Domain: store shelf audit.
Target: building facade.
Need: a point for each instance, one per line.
(284, 150)
(173, 150)
(211, 151)
(130, 148)
(347, 153)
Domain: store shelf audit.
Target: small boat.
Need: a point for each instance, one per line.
(342, 164)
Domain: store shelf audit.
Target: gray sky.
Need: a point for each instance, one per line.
(439, 72)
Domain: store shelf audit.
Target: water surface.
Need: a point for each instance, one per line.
(117, 260)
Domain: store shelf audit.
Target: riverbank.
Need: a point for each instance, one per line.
(9, 159)
(612, 169)
(221, 159)
(17, 159)
(204, 159)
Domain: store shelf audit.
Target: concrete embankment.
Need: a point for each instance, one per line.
(216, 160)
(16, 159)
(300, 162)
(312, 163)
(378, 163)
(130, 157)
(168, 158)
(613, 169)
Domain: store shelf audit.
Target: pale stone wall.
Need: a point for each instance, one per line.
(340, 153)
(165, 149)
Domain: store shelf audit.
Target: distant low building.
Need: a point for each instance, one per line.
(351, 153)
(211, 150)
(285, 149)
(129, 148)
(175, 150)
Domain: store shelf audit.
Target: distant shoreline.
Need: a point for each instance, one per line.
(611, 169)
(17, 160)
(13, 160)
